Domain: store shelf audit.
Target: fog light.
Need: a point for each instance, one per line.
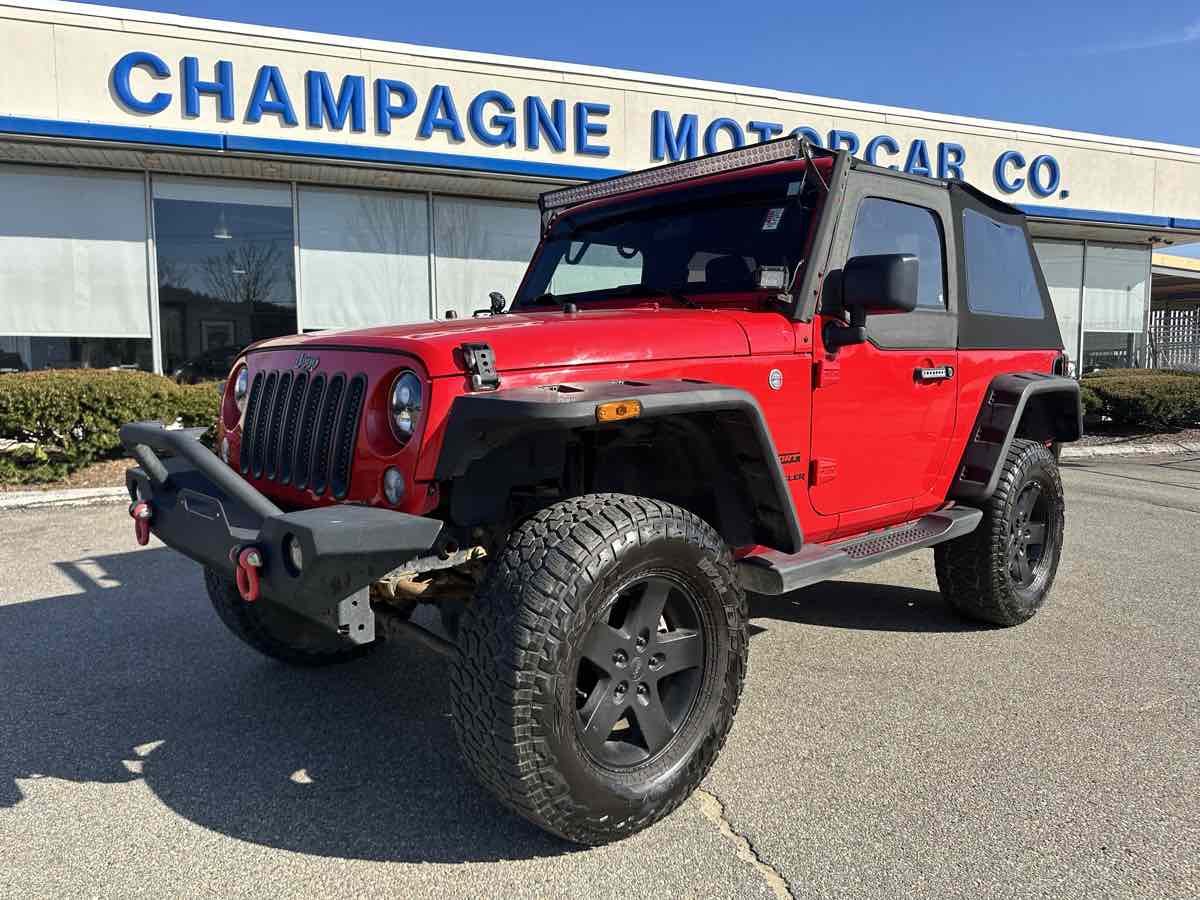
(295, 555)
(393, 486)
(225, 450)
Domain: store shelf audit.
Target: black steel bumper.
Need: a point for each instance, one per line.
(203, 509)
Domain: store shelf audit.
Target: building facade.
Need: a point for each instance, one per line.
(172, 189)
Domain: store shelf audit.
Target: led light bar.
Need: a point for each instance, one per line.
(743, 157)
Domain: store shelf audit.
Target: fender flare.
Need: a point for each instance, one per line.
(480, 423)
(1033, 405)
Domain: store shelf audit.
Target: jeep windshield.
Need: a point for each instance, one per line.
(677, 245)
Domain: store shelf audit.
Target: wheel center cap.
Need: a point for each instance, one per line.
(635, 667)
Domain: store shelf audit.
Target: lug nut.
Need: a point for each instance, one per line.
(620, 658)
(642, 689)
(641, 641)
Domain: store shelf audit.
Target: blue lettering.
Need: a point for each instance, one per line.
(875, 144)
(270, 95)
(809, 134)
(765, 130)
(539, 121)
(950, 160)
(918, 159)
(440, 113)
(849, 138)
(505, 125)
(350, 102)
(585, 129)
(1000, 171)
(715, 127)
(385, 109)
(673, 143)
(193, 87)
(1036, 185)
(120, 81)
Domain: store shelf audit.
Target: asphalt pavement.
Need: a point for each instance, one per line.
(883, 747)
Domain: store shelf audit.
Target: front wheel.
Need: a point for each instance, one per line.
(601, 665)
(1002, 572)
(275, 631)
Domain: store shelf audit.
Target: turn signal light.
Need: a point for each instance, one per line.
(616, 410)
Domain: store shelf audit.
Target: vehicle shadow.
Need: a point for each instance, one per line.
(865, 606)
(134, 677)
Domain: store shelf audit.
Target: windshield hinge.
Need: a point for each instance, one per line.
(481, 364)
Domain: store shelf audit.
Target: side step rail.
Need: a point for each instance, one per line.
(780, 573)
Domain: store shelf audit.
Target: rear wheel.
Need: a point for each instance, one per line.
(1002, 572)
(275, 631)
(601, 665)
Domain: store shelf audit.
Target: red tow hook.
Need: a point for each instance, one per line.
(141, 513)
(249, 561)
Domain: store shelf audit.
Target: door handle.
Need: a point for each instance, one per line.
(934, 373)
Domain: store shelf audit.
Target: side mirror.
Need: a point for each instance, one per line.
(879, 283)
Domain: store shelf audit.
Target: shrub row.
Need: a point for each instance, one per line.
(1143, 398)
(54, 422)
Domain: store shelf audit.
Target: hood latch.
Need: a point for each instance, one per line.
(481, 364)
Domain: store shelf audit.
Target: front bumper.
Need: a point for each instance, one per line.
(203, 509)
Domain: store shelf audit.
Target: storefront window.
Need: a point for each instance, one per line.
(364, 257)
(1062, 266)
(482, 246)
(1114, 306)
(226, 271)
(73, 284)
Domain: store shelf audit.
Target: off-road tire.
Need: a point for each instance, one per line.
(514, 683)
(277, 632)
(973, 571)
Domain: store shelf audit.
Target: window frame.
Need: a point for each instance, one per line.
(925, 328)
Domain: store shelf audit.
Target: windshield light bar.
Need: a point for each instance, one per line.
(756, 155)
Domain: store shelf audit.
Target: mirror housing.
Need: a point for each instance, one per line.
(876, 284)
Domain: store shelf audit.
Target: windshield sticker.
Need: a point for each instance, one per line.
(794, 188)
(774, 217)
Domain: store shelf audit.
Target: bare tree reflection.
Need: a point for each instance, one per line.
(247, 273)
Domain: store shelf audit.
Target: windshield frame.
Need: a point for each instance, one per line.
(714, 193)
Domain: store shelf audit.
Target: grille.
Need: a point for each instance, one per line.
(302, 429)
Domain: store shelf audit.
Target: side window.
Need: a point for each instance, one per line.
(596, 267)
(1000, 276)
(886, 226)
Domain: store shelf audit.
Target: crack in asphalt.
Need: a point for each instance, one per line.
(714, 810)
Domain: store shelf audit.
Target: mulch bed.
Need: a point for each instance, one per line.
(1104, 435)
(106, 473)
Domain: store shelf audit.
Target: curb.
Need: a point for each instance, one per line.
(1070, 451)
(70, 497)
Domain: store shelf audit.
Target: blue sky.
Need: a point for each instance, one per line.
(1103, 66)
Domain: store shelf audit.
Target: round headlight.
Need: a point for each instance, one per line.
(241, 386)
(405, 406)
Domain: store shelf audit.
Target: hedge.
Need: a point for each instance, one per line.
(1143, 398)
(54, 422)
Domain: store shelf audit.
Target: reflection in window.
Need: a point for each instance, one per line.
(226, 274)
(29, 353)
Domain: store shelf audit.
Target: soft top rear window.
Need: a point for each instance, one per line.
(1000, 275)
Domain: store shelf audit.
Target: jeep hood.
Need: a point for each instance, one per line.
(551, 339)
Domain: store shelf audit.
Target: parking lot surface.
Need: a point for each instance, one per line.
(883, 747)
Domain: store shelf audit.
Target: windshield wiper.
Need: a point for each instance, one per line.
(632, 290)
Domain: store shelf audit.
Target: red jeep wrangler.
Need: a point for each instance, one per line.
(747, 372)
